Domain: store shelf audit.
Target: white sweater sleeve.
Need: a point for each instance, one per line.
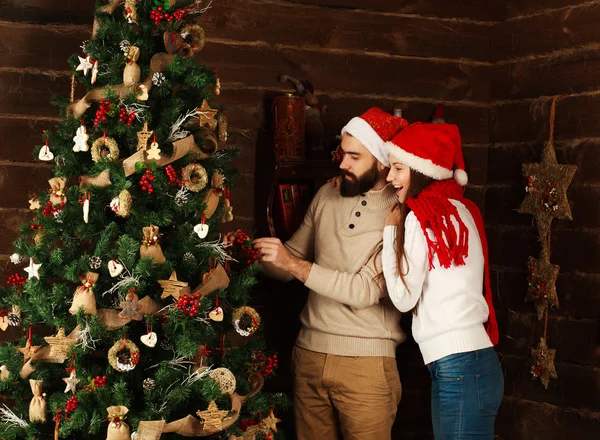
(415, 247)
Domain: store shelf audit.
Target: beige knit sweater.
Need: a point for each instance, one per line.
(348, 312)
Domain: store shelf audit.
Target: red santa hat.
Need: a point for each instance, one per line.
(373, 129)
(434, 150)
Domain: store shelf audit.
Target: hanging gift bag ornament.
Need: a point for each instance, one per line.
(45, 154)
(150, 246)
(81, 139)
(84, 295)
(117, 428)
(57, 190)
(115, 268)
(37, 406)
(132, 71)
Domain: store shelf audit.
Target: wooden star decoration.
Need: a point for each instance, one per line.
(173, 287)
(207, 116)
(28, 351)
(338, 154)
(212, 417)
(541, 284)
(143, 135)
(547, 184)
(543, 363)
(131, 308)
(33, 270)
(270, 422)
(71, 382)
(60, 344)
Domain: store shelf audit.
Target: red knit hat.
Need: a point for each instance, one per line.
(373, 129)
(432, 149)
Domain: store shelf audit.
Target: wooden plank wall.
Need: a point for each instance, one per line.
(547, 48)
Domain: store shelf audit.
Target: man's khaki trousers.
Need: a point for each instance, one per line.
(343, 396)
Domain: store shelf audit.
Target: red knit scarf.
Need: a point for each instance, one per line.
(433, 209)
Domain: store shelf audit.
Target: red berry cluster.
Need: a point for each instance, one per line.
(35, 226)
(102, 112)
(189, 304)
(71, 404)
(244, 246)
(50, 209)
(99, 381)
(262, 366)
(172, 174)
(158, 14)
(16, 280)
(124, 117)
(146, 181)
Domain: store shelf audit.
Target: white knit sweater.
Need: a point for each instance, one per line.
(449, 304)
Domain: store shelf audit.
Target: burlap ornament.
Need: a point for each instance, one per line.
(216, 180)
(211, 199)
(150, 430)
(212, 417)
(133, 356)
(224, 379)
(37, 406)
(58, 346)
(105, 147)
(102, 180)
(214, 279)
(57, 190)
(194, 177)
(543, 363)
(150, 247)
(131, 10)
(26, 370)
(208, 140)
(245, 320)
(541, 280)
(84, 295)
(117, 428)
(132, 71)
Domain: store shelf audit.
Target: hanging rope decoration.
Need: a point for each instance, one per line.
(546, 199)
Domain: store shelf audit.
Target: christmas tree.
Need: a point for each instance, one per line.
(145, 302)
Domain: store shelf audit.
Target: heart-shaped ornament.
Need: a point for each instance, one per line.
(45, 154)
(149, 340)
(115, 268)
(3, 323)
(216, 314)
(201, 229)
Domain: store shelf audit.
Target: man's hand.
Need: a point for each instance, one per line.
(393, 216)
(271, 250)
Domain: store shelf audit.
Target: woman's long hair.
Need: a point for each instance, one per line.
(418, 182)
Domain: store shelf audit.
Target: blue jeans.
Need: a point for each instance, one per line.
(466, 392)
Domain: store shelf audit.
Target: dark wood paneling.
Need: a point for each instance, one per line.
(46, 11)
(19, 137)
(297, 25)
(17, 181)
(30, 94)
(10, 220)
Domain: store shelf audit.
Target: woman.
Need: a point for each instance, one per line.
(435, 265)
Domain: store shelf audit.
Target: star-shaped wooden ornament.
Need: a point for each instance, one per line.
(271, 422)
(60, 344)
(541, 284)
(212, 416)
(85, 64)
(547, 184)
(71, 382)
(207, 116)
(143, 135)
(543, 363)
(28, 351)
(338, 154)
(33, 270)
(173, 287)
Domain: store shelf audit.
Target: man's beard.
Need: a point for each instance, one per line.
(353, 186)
